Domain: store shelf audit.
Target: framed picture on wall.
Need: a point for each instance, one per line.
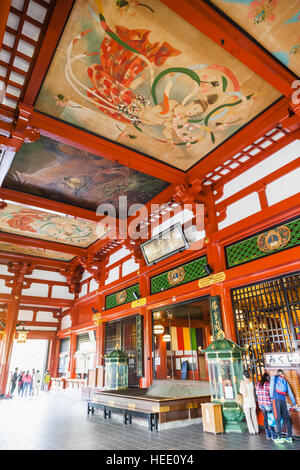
(164, 244)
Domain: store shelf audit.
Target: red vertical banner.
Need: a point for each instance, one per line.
(180, 339)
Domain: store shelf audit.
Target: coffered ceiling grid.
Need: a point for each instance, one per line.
(24, 33)
(249, 156)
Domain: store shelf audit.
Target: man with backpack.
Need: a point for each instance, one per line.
(279, 388)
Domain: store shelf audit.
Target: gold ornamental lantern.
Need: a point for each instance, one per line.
(22, 336)
(116, 370)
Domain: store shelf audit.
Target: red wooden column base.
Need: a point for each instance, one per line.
(100, 341)
(72, 365)
(146, 380)
(12, 316)
(54, 372)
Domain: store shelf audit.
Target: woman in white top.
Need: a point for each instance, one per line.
(37, 378)
(249, 403)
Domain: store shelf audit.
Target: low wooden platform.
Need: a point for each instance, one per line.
(170, 410)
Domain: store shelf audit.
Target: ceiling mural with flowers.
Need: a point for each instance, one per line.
(40, 252)
(275, 24)
(28, 222)
(63, 173)
(130, 72)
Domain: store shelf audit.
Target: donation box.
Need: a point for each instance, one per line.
(212, 417)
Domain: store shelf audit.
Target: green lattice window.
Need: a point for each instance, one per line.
(193, 270)
(111, 300)
(248, 250)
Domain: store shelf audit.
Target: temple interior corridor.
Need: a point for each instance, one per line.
(149, 226)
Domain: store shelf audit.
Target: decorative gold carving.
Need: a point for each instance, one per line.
(176, 276)
(274, 239)
(121, 297)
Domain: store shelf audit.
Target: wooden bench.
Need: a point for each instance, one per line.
(127, 414)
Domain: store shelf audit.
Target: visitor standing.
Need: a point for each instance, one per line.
(47, 378)
(31, 382)
(20, 382)
(14, 380)
(249, 403)
(37, 379)
(26, 383)
(265, 403)
(279, 389)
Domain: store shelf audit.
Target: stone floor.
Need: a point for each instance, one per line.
(59, 421)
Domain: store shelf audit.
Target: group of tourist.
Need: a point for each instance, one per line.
(29, 383)
(270, 393)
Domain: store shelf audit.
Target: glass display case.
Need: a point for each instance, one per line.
(225, 369)
(116, 370)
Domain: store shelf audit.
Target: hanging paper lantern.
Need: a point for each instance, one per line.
(158, 329)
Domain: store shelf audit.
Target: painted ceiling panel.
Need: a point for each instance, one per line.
(275, 24)
(25, 250)
(28, 222)
(131, 73)
(63, 173)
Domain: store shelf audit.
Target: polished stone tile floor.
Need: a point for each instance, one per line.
(59, 421)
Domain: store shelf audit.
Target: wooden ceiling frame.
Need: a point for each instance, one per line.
(47, 204)
(7, 237)
(280, 116)
(258, 187)
(39, 263)
(55, 311)
(215, 26)
(251, 156)
(46, 264)
(13, 50)
(39, 301)
(207, 19)
(88, 142)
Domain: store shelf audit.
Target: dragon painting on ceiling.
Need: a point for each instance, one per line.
(51, 169)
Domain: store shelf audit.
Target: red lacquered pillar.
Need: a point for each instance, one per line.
(12, 316)
(72, 365)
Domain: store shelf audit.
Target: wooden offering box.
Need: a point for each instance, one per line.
(212, 417)
(172, 411)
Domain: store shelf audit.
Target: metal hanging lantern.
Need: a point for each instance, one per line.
(116, 370)
(158, 329)
(225, 368)
(166, 338)
(22, 336)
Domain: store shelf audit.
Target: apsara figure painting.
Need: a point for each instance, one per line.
(273, 23)
(129, 71)
(29, 222)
